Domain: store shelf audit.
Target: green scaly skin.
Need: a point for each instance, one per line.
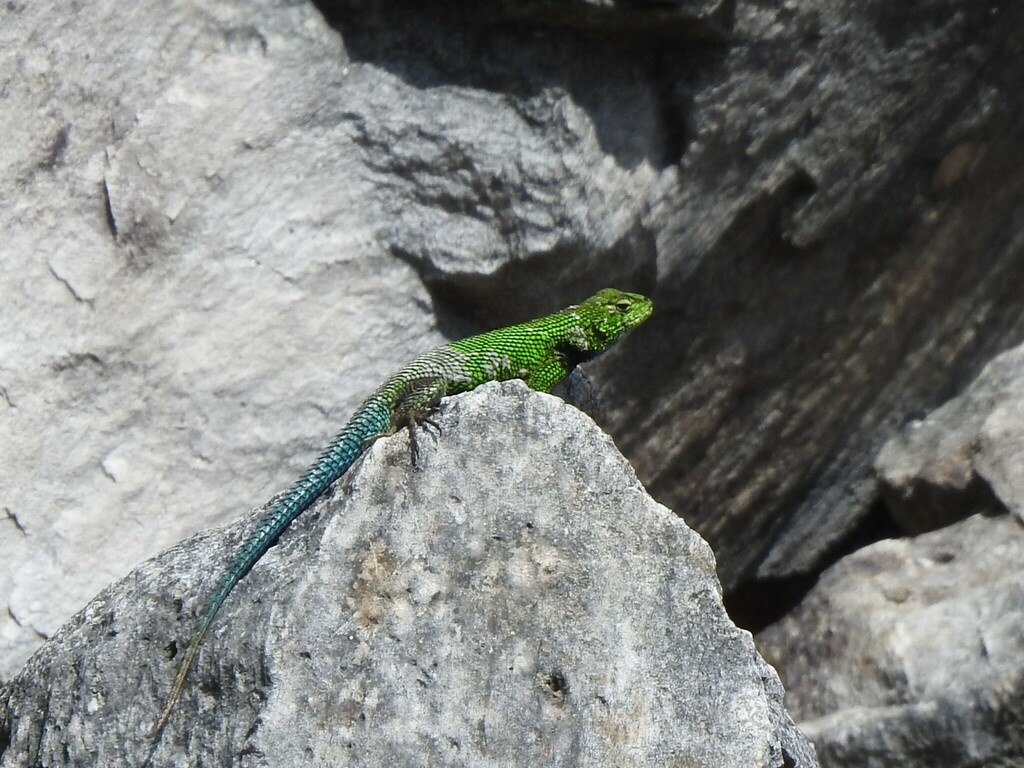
(542, 352)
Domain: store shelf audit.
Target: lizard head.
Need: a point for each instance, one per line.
(607, 315)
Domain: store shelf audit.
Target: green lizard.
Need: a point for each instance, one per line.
(542, 352)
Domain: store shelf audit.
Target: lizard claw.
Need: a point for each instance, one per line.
(420, 420)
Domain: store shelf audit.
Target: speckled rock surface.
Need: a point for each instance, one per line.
(966, 456)
(515, 599)
(909, 652)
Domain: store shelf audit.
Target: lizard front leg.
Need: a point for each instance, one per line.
(416, 405)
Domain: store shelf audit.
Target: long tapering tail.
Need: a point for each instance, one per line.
(370, 421)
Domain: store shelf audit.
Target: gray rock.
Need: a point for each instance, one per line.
(907, 653)
(191, 283)
(964, 457)
(516, 599)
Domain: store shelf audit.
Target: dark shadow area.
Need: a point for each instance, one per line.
(925, 319)
(650, 19)
(757, 603)
(499, 300)
(625, 65)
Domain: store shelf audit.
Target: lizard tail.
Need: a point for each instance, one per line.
(370, 421)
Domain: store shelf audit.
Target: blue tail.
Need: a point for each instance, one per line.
(372, 420)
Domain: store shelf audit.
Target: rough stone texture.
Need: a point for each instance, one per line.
(841, 248)
(965, 456)
(190, 282)
(910, 653)
(517, 599)
(225, 221)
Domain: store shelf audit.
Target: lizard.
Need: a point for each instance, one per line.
(541, 352)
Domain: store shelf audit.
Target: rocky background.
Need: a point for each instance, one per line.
(225, 222)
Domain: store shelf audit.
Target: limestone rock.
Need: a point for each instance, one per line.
(908, 653)
(191, 283)
(517, 598)
(964, 457)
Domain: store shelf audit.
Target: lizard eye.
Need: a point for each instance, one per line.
(623, 305)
